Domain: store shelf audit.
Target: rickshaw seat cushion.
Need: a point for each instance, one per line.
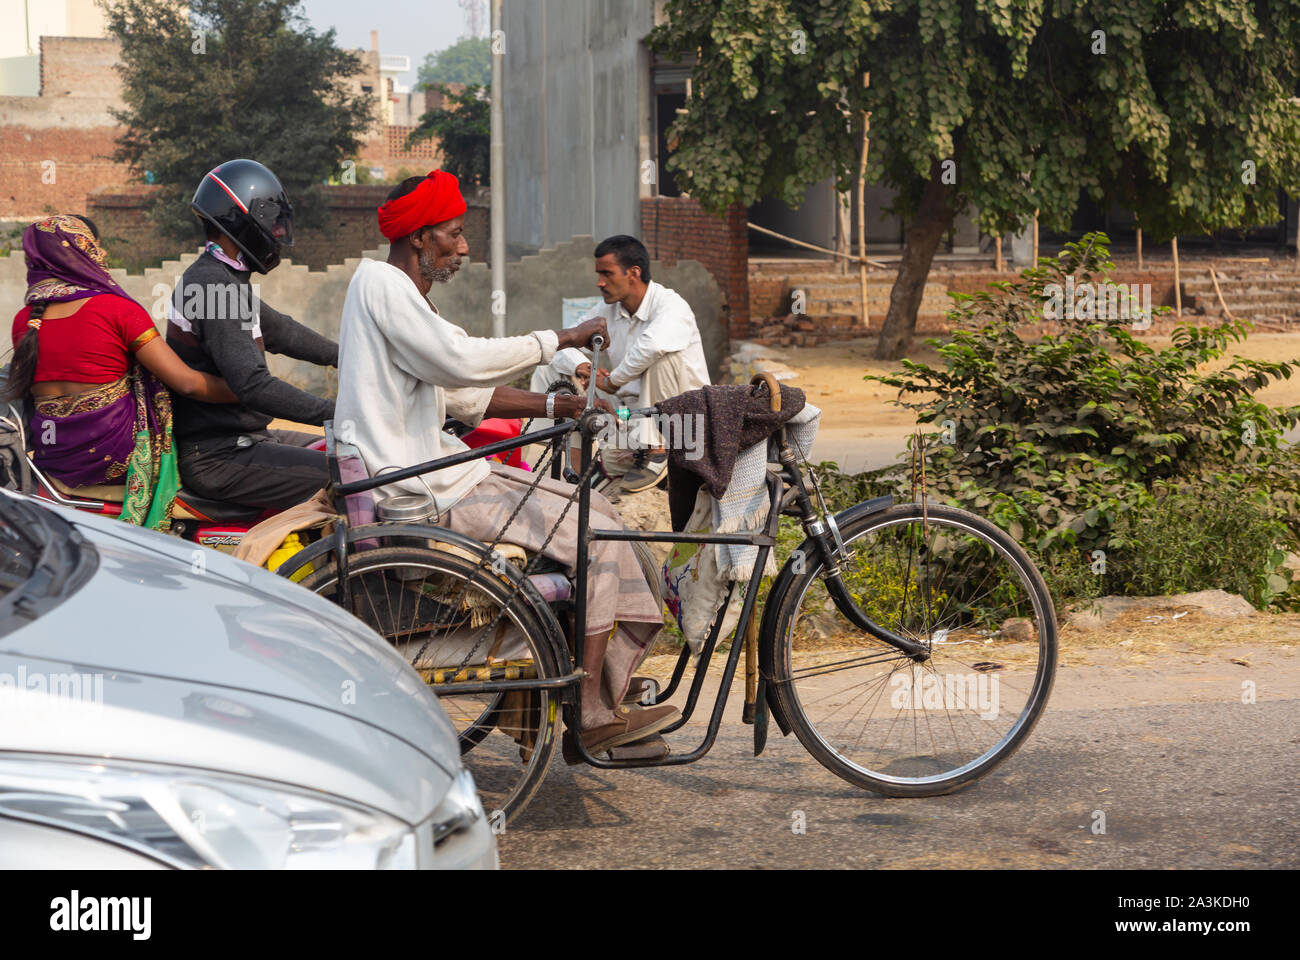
(110, 492)
(554, 587)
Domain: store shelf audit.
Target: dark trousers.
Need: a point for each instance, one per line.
(270, 469)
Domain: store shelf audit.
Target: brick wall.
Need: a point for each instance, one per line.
(768, 297)
(422, 156)
(675, 228)
(350, 227)
(972, 281)
(80, 67)
(54, 147)
(51, 170)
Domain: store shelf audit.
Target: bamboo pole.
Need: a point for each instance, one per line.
(997, 247)
(1219, 293)
(1139, 235)
(813, 246)
(862, 211)
(1178, 282)
(1035, 261)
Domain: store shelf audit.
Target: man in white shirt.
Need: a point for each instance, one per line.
(403, 368)
(655, 350)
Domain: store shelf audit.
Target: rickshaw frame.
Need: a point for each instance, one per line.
(341, 543)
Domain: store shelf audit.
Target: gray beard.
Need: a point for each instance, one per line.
(433, 274)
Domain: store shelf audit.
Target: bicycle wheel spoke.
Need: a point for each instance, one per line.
(424, 600)
(878, 718)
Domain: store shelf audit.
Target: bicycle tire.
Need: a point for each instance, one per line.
(368, 563)
(780, 635)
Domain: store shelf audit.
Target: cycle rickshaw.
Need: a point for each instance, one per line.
(910, 647)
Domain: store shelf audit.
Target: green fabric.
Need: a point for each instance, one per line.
(152, 476)
(168, 482)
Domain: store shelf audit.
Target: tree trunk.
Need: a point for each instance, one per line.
(920, 240)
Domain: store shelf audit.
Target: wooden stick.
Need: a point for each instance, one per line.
(1035, 238)
(997, 247)
(1178, 282)
(1226, 312)
(862, 211)
(1139, 230)
(842, 241)
(751, 664)
(813, 246)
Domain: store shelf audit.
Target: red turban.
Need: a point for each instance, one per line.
(436, 199)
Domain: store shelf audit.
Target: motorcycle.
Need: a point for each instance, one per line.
(210, 523)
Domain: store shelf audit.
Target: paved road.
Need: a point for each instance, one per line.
(1186, 774)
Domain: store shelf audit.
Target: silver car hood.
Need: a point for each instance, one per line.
(107, 716)
(185, 635)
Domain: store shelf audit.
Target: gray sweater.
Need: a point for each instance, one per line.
(219, 327)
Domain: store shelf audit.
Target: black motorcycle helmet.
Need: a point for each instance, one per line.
(245, 201)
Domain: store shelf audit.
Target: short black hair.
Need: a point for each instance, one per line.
(628, 251)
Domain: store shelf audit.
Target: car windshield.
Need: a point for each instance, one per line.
(43, 561)
(20, 548)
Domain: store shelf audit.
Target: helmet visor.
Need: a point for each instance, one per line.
(275, 216)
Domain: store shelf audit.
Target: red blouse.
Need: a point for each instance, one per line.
(93, 345)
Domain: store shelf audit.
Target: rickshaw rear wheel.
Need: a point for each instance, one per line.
(404, 593)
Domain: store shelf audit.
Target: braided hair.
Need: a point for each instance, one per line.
(22, 369)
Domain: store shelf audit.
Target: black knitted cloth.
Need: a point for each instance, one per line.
(736, 416)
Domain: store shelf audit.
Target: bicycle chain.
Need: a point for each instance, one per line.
(539, 472)
(528, 568)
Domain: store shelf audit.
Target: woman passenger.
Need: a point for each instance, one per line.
(97, 373)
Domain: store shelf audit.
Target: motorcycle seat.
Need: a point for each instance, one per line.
(189, 506)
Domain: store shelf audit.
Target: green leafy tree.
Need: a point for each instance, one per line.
(463, 130)
(467, 61)
(227, 79)
(1180, 110)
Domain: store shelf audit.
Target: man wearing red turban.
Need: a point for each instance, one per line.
(403, 368)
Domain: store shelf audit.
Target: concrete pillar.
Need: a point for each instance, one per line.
(966, 233)
(1019, 247)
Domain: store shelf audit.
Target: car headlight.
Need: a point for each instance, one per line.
(196, 819)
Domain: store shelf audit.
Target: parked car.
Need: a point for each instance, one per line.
(164, 705)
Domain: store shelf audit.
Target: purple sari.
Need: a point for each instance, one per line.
(120, 432)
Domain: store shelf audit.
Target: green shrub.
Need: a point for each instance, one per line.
(1201, 536)
(1072, 441)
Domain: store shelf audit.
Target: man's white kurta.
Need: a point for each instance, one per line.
(403, 369)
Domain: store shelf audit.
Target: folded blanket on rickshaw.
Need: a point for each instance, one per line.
(744, 505)
(697, 576)
(735, 416)
(264, 538)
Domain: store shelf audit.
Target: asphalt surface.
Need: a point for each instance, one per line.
(1185, 774)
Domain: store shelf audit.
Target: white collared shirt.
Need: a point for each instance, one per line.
(663, 324)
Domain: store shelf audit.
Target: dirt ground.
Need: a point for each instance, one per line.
(861, 429)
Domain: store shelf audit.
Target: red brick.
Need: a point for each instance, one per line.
(676, 228)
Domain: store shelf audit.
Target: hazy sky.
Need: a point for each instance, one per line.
(410, 27)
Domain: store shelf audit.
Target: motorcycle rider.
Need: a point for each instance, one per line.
(219, 325)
